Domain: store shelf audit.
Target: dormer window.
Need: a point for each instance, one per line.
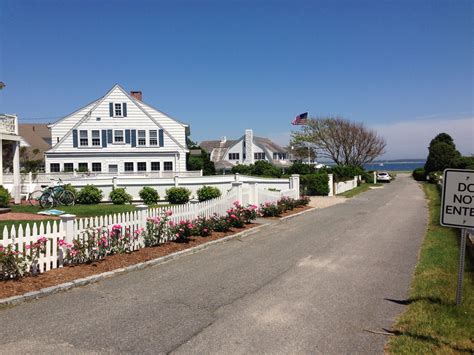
(118, 110)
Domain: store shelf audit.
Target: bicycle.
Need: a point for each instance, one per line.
(52, 196)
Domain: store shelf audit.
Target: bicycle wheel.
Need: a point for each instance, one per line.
(66, 198)
(47, 200)
(35, 197)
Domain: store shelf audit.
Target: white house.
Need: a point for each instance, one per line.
(245, 150)
(117, 133)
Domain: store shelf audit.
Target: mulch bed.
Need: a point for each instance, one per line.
(69, 273)
(20, 216)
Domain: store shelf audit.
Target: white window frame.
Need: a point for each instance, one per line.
(58, 165)
(164, 166)
(153, 137)
(97, 171)
(82, 138)
(234, 156)
(118, 106)
(142, 162)
(115, 136)
(125, 164)
(155, 162)
(259, 155)
(98, 137)
(143, 137)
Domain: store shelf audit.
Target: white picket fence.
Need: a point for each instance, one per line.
(69, 227)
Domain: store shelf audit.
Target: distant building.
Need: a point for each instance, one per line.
(245, 150)
(120, 134)
(38, 137)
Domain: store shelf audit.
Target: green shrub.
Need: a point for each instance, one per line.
(300, 168)
(69, 187)
(149, 195)
(208, 193)
(119, 196)
(221, 223)
(89, 195)
(315, 184)
(419, 174)
(4, 197)
(345, 172)
(177, 195)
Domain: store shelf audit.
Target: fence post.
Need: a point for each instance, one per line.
(295, 184)
(238, 185)
(67, 223)
(142, 215)
(375, 177)
(114, 183)
(253, 188)
(176, 180)
(331, 185)
(237, 177)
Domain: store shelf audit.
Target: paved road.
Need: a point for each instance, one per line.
(311, 284)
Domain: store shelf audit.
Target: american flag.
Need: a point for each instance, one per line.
(300, 119)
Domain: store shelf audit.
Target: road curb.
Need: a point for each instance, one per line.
(298, 214)
(33, 295)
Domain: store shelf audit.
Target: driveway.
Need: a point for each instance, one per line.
(310, 284)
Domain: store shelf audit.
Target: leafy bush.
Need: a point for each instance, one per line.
(465, 163)
(419, 174)
(119, 196)
(69, 187)
(157, 230)
(89, 195)
(4, 197)
(286, 204)
(303, 201)
(202, 226)
(345, 172)
(300, 168)
(178, 195)
(242, 169)
(368, 176)
(208, 193)
(221, 223)
(15, 265)
(260, 168)
(149, 195)
(182, 231)
(315, 184)
(269, 209)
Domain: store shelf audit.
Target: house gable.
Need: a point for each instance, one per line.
(100, 115)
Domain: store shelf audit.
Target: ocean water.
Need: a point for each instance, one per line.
(395, 166)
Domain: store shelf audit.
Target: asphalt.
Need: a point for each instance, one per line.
(311, 284)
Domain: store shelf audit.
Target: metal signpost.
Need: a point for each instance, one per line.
(457, 210)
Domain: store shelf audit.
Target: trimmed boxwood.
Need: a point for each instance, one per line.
(119, 196)
(89, 195)
(149, 195)
(208, 193)
(4, 197)
(419, 174)
(178, 195)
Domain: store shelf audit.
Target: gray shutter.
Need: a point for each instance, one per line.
(124, 107)
(161, 138)
(127, 136)
(134, 137)
(111, 109)
(74, 138)
(104, 138)
(109, 136)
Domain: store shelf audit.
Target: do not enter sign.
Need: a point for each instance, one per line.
(458, 199)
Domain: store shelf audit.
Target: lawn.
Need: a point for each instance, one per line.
(432, 323)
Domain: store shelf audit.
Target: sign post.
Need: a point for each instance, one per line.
(458, 211)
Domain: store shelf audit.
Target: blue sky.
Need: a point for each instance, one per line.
(401, 67)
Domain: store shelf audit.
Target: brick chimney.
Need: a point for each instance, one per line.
(136, 94)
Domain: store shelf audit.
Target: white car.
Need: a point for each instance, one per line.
(383, 176)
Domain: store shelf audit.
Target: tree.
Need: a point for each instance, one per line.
(343, 141)
(300, 151)
(442, 154)
(200, 162)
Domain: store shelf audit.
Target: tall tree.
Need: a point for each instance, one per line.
(442, 154)
(339, 139)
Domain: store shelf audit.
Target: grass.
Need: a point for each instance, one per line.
(359, 189)
(432, 323)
